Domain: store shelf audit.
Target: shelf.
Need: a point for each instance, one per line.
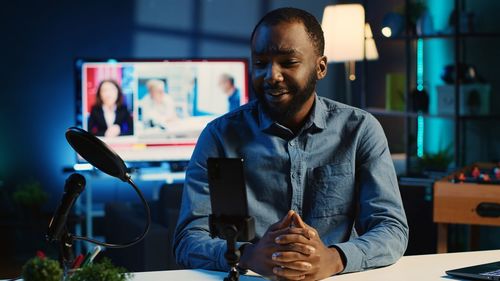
(441, 36)
(404, 52)
(392, 113)
(480, 117)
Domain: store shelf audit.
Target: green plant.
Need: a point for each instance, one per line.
(42, 269)
(415, 10)
(437, 161)
(30, 194)
(101, 271)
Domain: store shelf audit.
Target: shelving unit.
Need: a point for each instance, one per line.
(459, 41)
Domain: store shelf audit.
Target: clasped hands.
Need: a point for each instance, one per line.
(291, 250)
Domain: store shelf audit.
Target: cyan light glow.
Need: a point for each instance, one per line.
(420, 136)
(420, 87)
(420, 64)
(438, 53)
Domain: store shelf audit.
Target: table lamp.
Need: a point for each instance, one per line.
(347, 38)
(371, 52)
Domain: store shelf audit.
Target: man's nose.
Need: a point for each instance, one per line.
(273, 74)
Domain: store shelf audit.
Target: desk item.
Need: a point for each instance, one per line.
(420, 100)
(101, 156)
(75, 184)
(474, 99)
(228, 196)
(91, 256)
(229, 219)
(487, 271)
(78, 261)
(395, 84)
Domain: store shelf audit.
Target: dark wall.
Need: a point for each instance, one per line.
(40, 41)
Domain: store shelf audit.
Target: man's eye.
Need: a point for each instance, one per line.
(259, 63)
(289, 63)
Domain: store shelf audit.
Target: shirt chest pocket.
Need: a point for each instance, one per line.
(332, 189)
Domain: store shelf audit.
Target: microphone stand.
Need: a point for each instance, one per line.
(232, 254)
(102, 157)
(232, 229)
(66, 256)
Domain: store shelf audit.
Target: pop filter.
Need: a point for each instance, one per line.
(97, 153)
(101, 156)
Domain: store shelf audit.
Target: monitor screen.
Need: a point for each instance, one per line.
(154, 110)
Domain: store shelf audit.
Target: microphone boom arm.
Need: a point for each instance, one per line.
(97, 153)
(138, 238)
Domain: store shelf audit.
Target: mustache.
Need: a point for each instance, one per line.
(275, 89)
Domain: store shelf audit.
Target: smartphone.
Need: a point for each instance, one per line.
(226, 182)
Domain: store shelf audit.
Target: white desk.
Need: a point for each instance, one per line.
(418, 268)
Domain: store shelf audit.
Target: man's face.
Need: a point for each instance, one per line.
(157, 93)
(225, 85)
(285, 68)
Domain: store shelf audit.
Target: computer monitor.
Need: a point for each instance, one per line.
(154, 110)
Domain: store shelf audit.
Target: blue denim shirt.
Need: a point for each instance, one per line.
(336, 172)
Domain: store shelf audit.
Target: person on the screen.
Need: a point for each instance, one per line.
(226, 83)
(109, 115)
(320, 180)
(158, 108)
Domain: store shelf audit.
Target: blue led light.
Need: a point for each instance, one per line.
(420, 64)
(420, 136)
(83, 167)
(420, 87)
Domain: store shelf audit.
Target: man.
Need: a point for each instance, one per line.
(326, 161)
(226, 83)
(158, 108)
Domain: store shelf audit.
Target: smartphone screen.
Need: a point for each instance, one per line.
(227, 187)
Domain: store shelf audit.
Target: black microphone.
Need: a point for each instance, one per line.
(74, 185)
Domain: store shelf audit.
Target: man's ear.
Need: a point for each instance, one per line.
(321, 67)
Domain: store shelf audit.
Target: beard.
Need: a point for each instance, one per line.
(300, 96)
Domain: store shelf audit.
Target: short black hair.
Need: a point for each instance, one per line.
(288, 14)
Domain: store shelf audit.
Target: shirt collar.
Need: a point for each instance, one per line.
(265, 121)
(317, 117)
(319, 113)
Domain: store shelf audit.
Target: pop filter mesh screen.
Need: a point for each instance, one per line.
(96, 152)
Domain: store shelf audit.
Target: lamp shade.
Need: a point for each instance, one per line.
(344, 31)
(370, 48)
